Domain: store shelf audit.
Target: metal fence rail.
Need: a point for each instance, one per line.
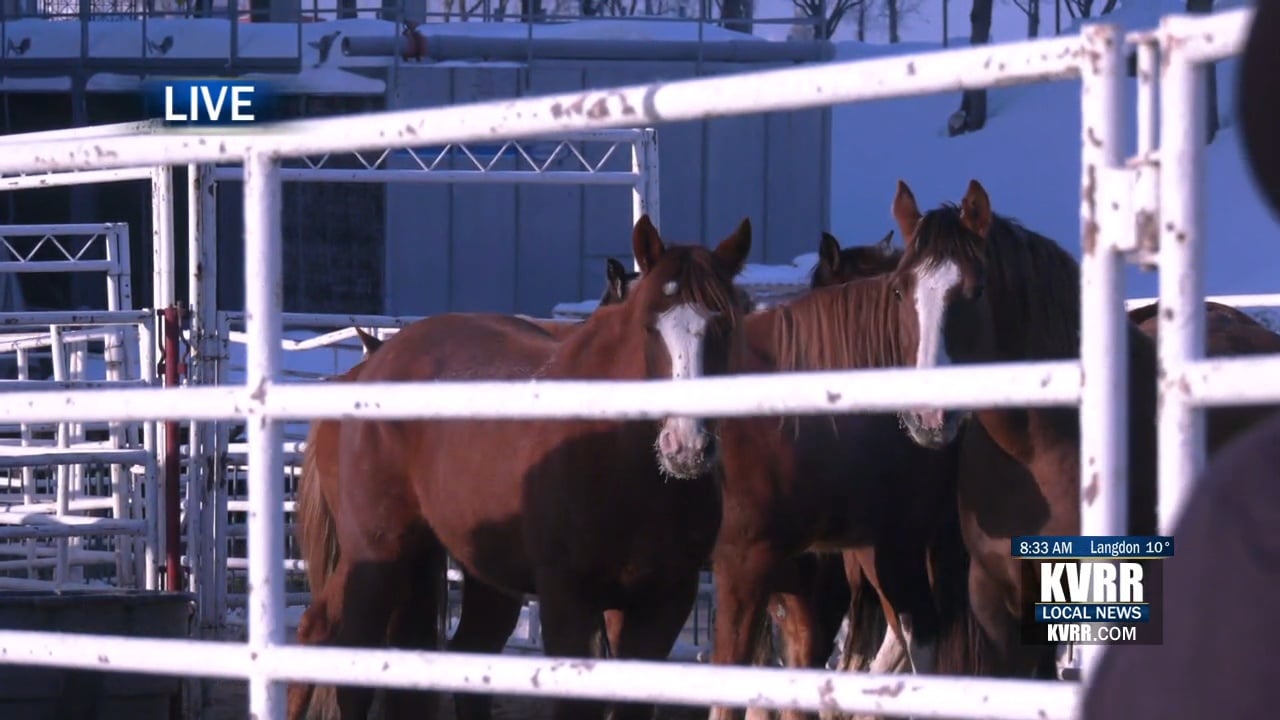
(1107, 238)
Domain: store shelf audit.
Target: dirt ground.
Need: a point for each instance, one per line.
(228, 700)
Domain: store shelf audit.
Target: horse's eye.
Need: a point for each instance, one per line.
(978, 290)
(897, 293)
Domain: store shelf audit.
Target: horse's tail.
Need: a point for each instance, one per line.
(317, 536)
(963, 648)
(318, 543)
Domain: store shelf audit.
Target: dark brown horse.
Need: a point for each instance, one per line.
(806, 484)
(837, 265)
(836, 583)
(543, 516)
(1019, 469)
(1228, 332)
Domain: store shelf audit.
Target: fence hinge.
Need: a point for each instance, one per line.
(1134, 204)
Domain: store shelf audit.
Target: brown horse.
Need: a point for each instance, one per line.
(1019, 469)
(312, 626)
(836, 583)
(1228, 331)
(837, 265)
(540, 517)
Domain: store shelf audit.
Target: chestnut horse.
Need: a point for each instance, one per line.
(312, 627)
(826, 482)
(540, 517)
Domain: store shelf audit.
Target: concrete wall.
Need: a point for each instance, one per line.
(524, 249)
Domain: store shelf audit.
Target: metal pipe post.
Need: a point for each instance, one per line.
(1181, 337)
(171, 322)
(645, 199)
(263, 300)
(202, 294)
(1104, 408)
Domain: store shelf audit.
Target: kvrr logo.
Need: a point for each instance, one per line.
(1076, 582)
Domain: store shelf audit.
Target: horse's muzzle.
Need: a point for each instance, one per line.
(685, 449)
(933, 429)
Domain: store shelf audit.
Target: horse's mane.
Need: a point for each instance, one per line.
(847, 326)
(1033, 284)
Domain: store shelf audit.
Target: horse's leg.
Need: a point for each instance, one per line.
(890, 654)
(647, 629)
(569, 623)
(867, 623)
(742, 589)
(419, 623)
(373, 591)
(891, 657)
(902, 570)
(797, 619)
(489, 616)
(808, 608)
(987, 603)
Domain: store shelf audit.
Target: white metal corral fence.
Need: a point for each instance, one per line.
(216, 511)
(202, 516)
(75, 497)
(1109, 237)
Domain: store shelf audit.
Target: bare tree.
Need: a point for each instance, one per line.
(835, 12)
(1084, 8)
(972, 114)
(891, 13)
(1032, 10)
(736, 15)
(465, 10)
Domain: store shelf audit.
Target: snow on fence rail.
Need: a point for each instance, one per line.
(1109, 235)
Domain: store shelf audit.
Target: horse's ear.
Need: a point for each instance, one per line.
(829, 251)
(906, 212)
(617, 276)
(369, 342)
(646, 244)
(975, 209)
(734, 249)
(886, 242)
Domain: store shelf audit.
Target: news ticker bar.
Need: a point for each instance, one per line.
(1088, 547)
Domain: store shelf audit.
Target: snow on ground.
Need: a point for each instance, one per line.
(1028, 158)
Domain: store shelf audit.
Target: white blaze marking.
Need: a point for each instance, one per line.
(932, 285)
(670, 288)
(683, 329)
